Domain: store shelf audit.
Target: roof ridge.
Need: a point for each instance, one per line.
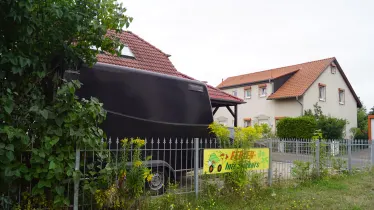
(141, 39)
(283, 67)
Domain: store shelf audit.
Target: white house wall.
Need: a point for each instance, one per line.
(331, 106)
(259, 107)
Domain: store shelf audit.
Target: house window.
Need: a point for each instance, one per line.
(333, 68)
(247, 93)
(262, 91)
(247, 122)
(341, 96)
(322, 92)
(234, 93)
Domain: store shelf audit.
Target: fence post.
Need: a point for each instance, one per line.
(372, 153)
(196, 168)
(77, 178)
(297, 146)
(349, 155)
(317, 156)
(270, 170)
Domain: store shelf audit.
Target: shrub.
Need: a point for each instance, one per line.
(301, 170)
(331, 127)
(127, 193)
(299, 127)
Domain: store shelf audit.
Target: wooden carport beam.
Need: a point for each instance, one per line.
(234, 114)
(215, 110)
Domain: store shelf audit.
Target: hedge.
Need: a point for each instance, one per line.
(299, 127)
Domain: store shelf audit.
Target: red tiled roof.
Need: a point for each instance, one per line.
(302, 80)
(305, 75)
(148, 57)
(256, 77)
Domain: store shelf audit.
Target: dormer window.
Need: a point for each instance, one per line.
(126, 52)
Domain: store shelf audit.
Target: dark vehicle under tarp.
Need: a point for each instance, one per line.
(153, 106)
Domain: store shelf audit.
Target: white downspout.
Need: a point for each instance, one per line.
(302, 106)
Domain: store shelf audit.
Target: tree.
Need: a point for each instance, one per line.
(39, 112)
(371, 111)
(362, 124)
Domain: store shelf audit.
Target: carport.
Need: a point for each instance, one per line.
(230, 105)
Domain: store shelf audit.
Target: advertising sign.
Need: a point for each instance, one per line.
(223, 160)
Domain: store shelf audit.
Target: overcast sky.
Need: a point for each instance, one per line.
(211, 40)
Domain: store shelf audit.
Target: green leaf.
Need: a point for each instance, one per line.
(28, 177)
(60, 190)
(54, 141)
(10, 155)
(44, 113)
(59, 121)
(16, 70)
(2, 145)
(52, 165)
(29, 30)
(34, 108)
(17, 173)
(8, 108)
(58, 132)
(9, 147)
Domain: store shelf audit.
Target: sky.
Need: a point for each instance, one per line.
(211, 40)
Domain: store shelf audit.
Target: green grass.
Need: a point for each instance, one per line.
(343, 192)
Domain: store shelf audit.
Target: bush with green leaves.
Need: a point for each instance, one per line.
(298, 127)
(127, 192)
(42, 121)
(331, 127)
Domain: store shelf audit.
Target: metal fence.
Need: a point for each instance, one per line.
(179, 161)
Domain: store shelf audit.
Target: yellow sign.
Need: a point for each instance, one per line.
(223, 160)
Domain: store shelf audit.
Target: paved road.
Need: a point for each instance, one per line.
(360, 159)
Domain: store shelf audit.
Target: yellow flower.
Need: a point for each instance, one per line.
(138, 163)
(124, 141)
(149, 177)
(138, 142)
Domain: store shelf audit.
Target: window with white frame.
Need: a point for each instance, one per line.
(235, 93)
(262, 91)
(341, 96)
(247, 93)
(322, 92)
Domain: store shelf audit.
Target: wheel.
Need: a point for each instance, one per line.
(211, 169)
(159, 181)
(219, 168)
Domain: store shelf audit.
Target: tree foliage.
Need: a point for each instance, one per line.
(39, 112)
(361, 132)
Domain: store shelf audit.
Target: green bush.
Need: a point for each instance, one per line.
(299, 127)
(331, 127)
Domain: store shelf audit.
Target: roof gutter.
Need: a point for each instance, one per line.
(302, 105)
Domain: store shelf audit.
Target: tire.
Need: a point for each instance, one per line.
(159, 182)
(211, 169)
(219, 168)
